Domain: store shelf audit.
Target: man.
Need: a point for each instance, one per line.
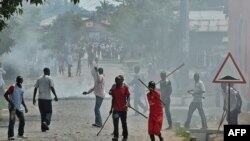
(70, 64)
(99, 94)
(45, 84)
(14, 96)
(138, 90)
(120, 101)
(166, 90)
(156, 113)
(196, 103)
(2, 71)
(235, 103)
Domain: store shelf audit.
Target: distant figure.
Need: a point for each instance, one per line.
(235, 103)
(70, 64)
(151, 72)
(156, 112)
(2, 83)
(79, 65)
(120, 101)
(166, 91)
(197, 94)
(99, 94)
(138, 90)
(61, 64)
(91, 56)
(14, 96)
(45, 84)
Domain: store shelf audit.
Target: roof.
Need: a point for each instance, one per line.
(208, 21)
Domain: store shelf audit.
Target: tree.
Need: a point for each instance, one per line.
(9, 7)
(6, 41)
(147, 26)
(104, 11)
(66, 29)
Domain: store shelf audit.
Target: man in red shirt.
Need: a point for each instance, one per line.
(120, 101)
(156, 112)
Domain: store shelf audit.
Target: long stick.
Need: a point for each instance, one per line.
(221, 121)
(172, 72)
(103, 124)
(138, 112)
(152, 91)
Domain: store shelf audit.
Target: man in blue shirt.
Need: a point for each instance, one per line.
(14, 96)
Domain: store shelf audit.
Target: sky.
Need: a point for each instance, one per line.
(91, 4)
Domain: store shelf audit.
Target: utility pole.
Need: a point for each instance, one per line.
(184, 40)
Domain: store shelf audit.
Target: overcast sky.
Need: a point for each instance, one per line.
(91, 4)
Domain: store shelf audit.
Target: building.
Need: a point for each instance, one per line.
(239, 35)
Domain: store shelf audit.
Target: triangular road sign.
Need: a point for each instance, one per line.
(229, 72)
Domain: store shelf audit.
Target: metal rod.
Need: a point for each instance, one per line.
(172, 72)
(104, 124)
(151, 91)
(138, 112)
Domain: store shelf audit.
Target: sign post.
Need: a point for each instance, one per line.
(229, 73)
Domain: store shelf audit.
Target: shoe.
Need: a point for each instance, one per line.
(124, 139)
(46, 127)
(22, 136)
(114, 139)
(43, 130)
(161, 139)
(169, 128)
(203, 128)
(96, 125)
(11, 138)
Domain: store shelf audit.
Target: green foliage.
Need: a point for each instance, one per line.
(3, 104)
(146, 25)
(67, 28)
(6, 42)
(182, 132)
(10, 7)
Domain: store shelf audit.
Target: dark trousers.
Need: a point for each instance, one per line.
(167, 111)
(233, 117)
(45, 108)
(12, 119)
(192, 107)
(123, 117)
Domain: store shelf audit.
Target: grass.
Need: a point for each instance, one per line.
(3, 104)
(182, 132)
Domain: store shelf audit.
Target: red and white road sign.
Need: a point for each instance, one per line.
(229, 72)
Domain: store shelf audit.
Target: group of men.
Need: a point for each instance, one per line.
(157, 100)
(15, 97)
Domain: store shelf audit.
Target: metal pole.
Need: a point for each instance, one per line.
(138, 112)
(152, 91)
(172, 72)
(104, 124)
(228, 112)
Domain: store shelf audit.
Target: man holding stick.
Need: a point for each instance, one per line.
(120, 101)
(166, 90)
(156, 112)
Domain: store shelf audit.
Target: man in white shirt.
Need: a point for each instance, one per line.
(45, 85)
(196, 103)
(99, 93)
